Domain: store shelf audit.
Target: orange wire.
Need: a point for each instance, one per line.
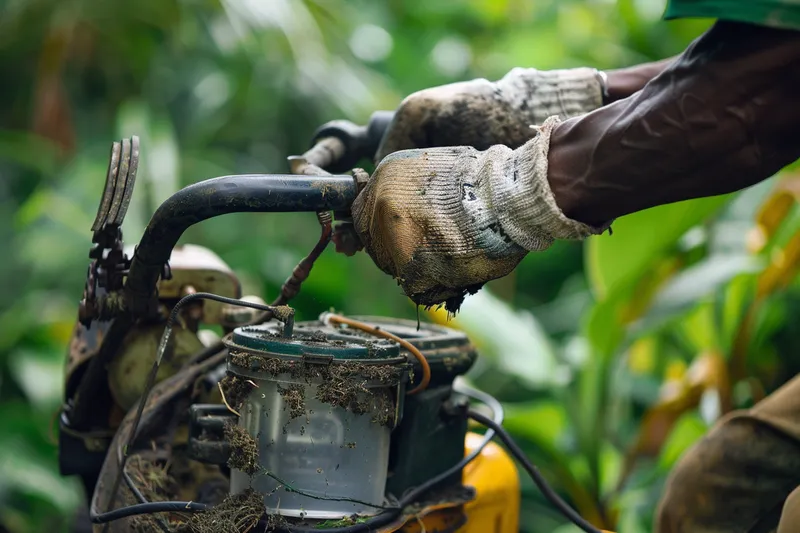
(372, 330)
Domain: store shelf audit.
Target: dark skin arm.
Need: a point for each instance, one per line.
(720, 118)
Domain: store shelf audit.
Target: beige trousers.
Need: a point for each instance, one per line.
(744, 476)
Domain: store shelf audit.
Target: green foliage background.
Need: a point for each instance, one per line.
(582, 342)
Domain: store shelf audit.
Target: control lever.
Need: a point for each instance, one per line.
(358, 142)
(337, 146)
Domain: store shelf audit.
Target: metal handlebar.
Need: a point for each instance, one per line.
(337, 146)
(220, 196)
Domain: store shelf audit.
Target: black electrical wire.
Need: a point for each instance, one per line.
(162, 525)
(537, 477)
(148, 508)
(288, 321)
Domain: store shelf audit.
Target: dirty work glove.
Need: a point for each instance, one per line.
(444, 221)
(480, 113)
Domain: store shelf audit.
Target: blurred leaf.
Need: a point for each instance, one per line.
(688, 429)
(49, 203)
(700, 330)
(774, 211)
(546, 435)
(567, 528)
(21, 470)
(631, 521)
(693, 284)
(29, 150)
(613, 261)
(611, 461)
(604, 323)
(512, 340)
(647, 287)
(39, 376)
(28, 468)
(731, 308)
(782, 269)
(678, 395)
(700, 280)
(547, 432)
(642, 355)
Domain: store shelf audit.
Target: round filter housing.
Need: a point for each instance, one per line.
(448, 351)
(321, 414)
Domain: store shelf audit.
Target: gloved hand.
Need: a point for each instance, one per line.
(481, 114)
(444, 221)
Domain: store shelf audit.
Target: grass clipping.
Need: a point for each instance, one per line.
(244, 449)
(238, 513)
(342, 385)
(235, 390)
(155, 483)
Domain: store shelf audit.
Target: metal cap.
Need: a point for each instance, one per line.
(308, 342)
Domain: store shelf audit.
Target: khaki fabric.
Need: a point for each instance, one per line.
(790, 517)
(742, 477)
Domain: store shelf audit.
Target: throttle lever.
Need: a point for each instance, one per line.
(120, 180)
(360, 142)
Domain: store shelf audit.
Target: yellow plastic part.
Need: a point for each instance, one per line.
(494, 477)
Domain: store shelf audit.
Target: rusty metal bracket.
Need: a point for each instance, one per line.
(109, 263)
(123, 165)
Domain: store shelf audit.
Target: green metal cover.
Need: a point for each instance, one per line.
(449, 352)
(311, 342)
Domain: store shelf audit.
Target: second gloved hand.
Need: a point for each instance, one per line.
(480, 113)
(444, 221)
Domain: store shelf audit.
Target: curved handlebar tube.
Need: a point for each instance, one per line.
(220, 196)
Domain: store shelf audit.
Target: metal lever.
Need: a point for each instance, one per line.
(120, 180)
(109, 262)
(357, 142)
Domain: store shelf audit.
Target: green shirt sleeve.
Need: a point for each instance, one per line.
(773, 13)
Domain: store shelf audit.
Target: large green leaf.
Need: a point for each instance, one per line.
(603, 325)
(509, 340)
(543, 425)
(687, 430)
(695, 283)
(541, 422)
(639, 239)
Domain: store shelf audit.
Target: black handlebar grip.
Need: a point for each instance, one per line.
(360, 142)
(379, 123)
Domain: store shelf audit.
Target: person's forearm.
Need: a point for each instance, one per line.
(720, 118)
(624, 82)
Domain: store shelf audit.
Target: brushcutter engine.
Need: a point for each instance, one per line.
(342, 424)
